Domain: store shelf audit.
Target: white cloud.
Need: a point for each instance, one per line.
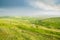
(48, 7)
(26, 12)
(44, 4)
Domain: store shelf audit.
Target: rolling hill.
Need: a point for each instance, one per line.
(12, 28)
(51, 22)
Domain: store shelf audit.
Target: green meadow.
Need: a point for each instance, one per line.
(29, 28)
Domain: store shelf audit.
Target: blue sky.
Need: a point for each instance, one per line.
(29, 7)
(13, 3)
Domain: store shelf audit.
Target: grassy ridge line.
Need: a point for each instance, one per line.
(51, 23)
(45, 28)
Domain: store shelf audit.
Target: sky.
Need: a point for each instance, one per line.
(29, 7)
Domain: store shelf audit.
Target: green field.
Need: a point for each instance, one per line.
(29, 28)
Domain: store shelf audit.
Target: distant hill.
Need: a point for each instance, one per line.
(51, 22)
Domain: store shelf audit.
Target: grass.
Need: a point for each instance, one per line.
(13, 28)
(51, 22)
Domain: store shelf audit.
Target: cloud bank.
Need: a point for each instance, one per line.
(46, 7)
(45, 4)
(32, 8)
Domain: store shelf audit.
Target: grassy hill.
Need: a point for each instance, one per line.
(51, 22)
(26, 28)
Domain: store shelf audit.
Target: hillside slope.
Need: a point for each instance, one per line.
(17, 29)
(51, 22)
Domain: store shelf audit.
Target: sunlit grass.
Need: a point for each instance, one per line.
(25, 29)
